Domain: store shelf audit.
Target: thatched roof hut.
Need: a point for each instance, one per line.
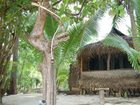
(103, 66)
(100, 52)
(99, 48)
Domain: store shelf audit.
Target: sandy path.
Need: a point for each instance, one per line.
(33, 99)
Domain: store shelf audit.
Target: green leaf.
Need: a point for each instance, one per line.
(121, 7)
(121, 10)
(50, 26)
(94, 1)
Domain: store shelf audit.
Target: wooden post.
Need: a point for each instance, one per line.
(108, 61)
(81, 67)
(101, 94)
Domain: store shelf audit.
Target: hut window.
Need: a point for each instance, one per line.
(120, 61)
(117, 61)
(97, 63)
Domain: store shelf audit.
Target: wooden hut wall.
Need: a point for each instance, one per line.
(83, 64)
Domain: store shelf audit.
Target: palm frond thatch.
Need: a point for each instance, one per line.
(99, 48)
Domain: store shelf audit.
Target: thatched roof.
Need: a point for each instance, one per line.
(99, 48)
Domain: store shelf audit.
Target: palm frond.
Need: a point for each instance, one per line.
(137, 11)
(91, 28)
(62, 77)
(80, 35)
(118, 42)
(65, 50)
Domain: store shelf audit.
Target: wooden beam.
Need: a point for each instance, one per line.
(108, 61)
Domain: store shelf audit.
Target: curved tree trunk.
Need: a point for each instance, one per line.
(38, 40)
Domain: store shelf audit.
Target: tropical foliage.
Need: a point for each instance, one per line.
(28, 73)
(80, 19)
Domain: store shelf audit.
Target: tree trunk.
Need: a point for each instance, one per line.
(51, 80)
(38, 40)
(0, 99)
(42, 69)
(13, 82)
(44, 80)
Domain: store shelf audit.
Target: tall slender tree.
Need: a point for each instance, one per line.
(13, 79)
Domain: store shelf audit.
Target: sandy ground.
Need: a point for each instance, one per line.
(33, 99)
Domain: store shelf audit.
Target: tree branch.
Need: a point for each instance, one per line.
(84, 1)
(57, 2)
(59, 38)
(80, 8)
(49, 11)
(38, 43)
(52, 43)
(40, 21)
